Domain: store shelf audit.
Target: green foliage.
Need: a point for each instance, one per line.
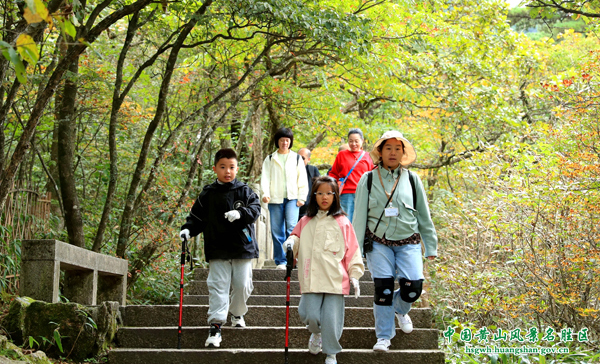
(522, 20)
(45, 343)
(159, 284)
(504, 127)
(519, 221)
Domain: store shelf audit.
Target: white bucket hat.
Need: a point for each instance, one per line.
(409, 157)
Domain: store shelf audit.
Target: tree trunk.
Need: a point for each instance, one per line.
(117, 101)
(128, 211)
(146, 255)
(257, 151)
(66, 148)
(38, 108)
(275, 124)
(316, 140)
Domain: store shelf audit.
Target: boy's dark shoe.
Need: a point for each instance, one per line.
(214, 337)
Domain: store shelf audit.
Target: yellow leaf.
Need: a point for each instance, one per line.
(41, 9)
(27, 48)
(31, 17)
(39, 13)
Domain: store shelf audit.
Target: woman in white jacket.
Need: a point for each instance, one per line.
(284, 187)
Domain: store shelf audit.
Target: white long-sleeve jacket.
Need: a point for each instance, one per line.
(271, 181)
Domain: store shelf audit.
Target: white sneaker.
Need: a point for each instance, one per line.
(281, 266)
(214, 337)
(331, 359)
(314, 344)
(238, 321)
(405, 323)
(382, 345)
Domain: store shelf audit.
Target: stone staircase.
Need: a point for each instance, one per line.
(149, 333)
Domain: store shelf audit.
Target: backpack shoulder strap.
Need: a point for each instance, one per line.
(369, 183)
(411, 178)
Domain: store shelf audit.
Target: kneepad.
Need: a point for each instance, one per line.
(384, 291)
(410, 290)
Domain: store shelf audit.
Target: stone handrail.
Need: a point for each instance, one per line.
(89, 277)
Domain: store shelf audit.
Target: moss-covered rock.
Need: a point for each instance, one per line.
(74, 332)
(81, 331)
(107, 317)
(14, 322)
(12, 354)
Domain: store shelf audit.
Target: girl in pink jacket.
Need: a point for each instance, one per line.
(328, 260)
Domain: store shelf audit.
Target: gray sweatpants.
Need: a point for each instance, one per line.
(223, 274)
(324, 313)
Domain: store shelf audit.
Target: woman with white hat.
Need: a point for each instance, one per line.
(391, 217)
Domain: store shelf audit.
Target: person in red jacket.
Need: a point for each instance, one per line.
(348, 167)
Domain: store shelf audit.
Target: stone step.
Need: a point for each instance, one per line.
(200, 274)
(196, 315)
(266, 338)
(269, 288)
(278, 300)
(255, 356)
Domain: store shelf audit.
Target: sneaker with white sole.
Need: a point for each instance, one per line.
(214, 337)
(238, 321)
(314, 344)
(281, 267)
(405, 323)
(330, 359)
(382, 345)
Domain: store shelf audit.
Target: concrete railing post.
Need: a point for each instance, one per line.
(40, 278)
(112, 288)
(80, 286)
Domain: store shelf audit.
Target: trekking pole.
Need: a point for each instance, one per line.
(288, 275)
(183, 250)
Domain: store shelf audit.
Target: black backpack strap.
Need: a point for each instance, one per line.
(369, 183)
(411, 178)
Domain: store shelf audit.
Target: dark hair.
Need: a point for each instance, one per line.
(356, 131)
(225, 153)
(313, 207)
(284, 133)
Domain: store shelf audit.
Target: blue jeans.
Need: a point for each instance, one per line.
(347, 202)
(396, 262)
(284, 217)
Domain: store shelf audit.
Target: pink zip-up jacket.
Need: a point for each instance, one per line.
(328, 254)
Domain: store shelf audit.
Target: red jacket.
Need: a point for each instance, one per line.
(344, 162)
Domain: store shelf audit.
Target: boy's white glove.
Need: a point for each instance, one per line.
(356, 287)
(232, 215)
(185, 233)
(287, 243)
